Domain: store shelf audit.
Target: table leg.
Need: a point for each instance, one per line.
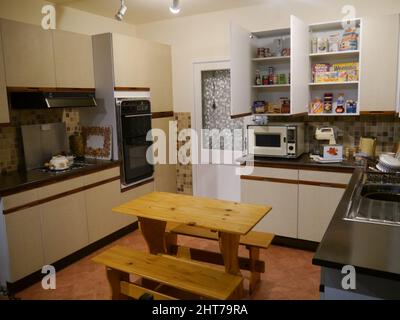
(229, 246)
(154, 233)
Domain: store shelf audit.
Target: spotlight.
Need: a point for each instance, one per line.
(175, 9)
(121, 12)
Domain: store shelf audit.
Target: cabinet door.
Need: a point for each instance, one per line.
(25, 247)
(28, 55)
(242, 48)
(316, 208)
(282, 220)
(144, 64)
(299, 65)
(73, 60)
(4, 114)
(99, 203)
(64, 227)
(379, 63)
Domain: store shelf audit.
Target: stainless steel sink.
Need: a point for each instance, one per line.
(375, 201)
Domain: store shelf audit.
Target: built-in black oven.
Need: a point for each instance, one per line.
(134, 125)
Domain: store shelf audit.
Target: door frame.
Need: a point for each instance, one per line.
(197, 120)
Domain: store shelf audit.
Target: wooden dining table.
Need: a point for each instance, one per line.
(230, 219)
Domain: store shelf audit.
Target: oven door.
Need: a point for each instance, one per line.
(134, 148)
(268, 141)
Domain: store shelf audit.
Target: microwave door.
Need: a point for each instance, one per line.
(270, 141)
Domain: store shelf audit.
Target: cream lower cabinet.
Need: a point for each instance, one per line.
(25, 246)
(64, 226)
(317, 205)
(282, 220)
(99, 203)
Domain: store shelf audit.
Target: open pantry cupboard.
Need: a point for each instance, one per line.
(356, 85)
(285, 73)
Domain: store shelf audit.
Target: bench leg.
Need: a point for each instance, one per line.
(114, 278)
(255, 277)
(171, 240)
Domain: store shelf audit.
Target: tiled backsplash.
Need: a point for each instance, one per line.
(11, 152)
(386, 129)
(184, 176)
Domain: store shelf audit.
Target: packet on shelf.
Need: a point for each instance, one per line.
(317, 106)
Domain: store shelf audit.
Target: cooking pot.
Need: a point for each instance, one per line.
(58, 163)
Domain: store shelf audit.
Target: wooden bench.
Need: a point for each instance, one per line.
(189, 276)
(254, 241)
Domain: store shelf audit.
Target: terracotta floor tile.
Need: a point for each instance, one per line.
(289, 274)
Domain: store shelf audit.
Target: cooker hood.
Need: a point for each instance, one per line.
(45, 98)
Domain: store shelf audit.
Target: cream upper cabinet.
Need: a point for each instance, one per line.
(379, 58)
(28, 55)
(4, 113)
(73, 60)
(25, 246)
(141, 63)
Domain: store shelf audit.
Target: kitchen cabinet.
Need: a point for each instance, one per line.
(316, 208)
(99, 203)
(245, 63)
(25, 246)
(319, 196)
(28, 55)
(4, 112)
(142, 63)
(164, 174)
(279, 189)
(64, 226)
(380, 54)
(73, 60)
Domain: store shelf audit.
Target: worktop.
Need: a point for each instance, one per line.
(303, 162)
(372, 249)
(15, 182)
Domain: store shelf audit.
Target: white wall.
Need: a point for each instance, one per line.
(207, 35)
(68, 19)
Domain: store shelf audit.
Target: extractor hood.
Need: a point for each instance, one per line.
(44, 98)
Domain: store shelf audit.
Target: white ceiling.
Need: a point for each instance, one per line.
(145, 11)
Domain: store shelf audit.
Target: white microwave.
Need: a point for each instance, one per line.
(276, 140)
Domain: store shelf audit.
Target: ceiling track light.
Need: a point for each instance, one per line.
(121, 12)
(175, 8)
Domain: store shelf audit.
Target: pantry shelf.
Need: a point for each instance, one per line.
(273, 59)
(273, 86)
(348, 83)
(337, 54)
(333, 114)
(272, 114)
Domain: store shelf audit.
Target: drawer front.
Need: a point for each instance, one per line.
(324, 177)
(101, 176)
(60, 187)
(275, 173)
(20, 199)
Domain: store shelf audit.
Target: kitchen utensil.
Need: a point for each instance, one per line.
(326, 133)
(368, 146)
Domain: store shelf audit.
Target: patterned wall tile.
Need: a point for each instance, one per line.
(216, 111)
(184, 176)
